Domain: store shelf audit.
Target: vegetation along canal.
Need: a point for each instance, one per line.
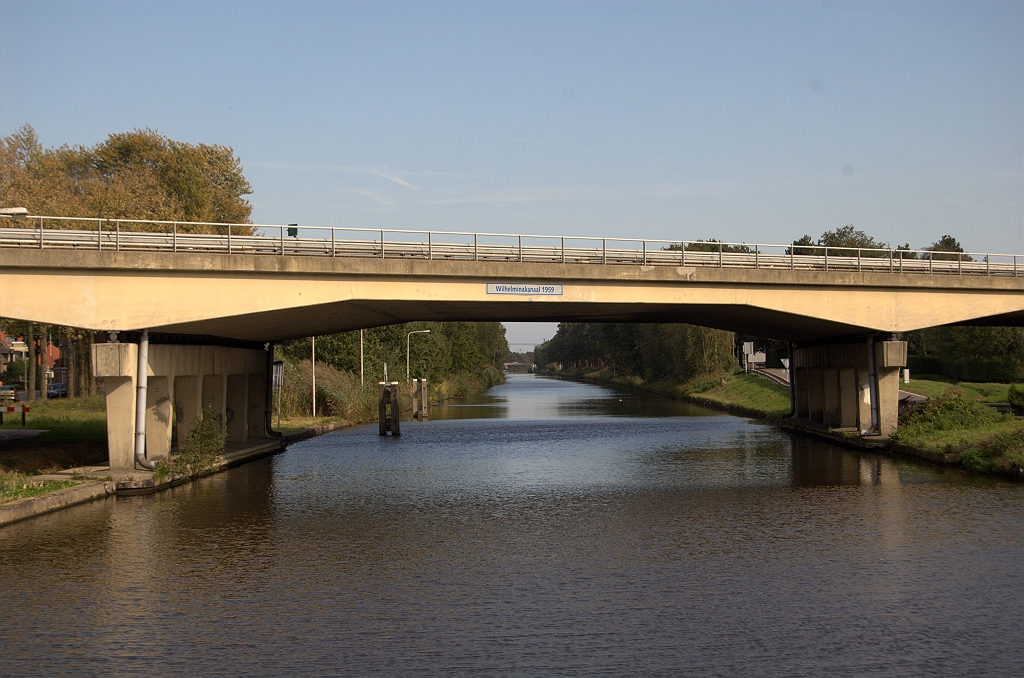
(545, 527)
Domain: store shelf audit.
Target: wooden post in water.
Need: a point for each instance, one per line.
(419, 399)
(396, 419)
(388, 421)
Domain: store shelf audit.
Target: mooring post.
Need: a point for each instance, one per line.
(396, 429)
(415, 398)
(388, 420)
(423, 400)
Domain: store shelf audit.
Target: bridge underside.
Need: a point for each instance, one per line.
(343, 316)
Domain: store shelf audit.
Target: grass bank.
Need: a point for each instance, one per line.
(933, 388)
(64, 419)
(15, 485)
(956, 422)
(743, 394)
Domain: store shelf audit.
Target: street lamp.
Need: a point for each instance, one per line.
(407, 338)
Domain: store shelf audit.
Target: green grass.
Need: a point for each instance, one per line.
(750, 392)
(956, 423)
(18, 486)
(988, 392)
(64, 419)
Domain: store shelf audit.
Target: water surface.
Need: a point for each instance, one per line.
(546, 527)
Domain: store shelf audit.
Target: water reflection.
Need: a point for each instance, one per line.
(531, 397)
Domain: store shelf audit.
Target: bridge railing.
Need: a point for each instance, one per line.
(132, 235)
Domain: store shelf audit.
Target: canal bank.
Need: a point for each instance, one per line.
(95, 482)
(757, 396)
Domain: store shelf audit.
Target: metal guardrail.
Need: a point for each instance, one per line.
(133, 235)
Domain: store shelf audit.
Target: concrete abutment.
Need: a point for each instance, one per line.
(184, 380)
(849, 384)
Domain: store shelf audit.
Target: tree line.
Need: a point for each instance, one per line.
(449, 348)
(651, 351)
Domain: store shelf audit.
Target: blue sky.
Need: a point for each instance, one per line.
(747, 122)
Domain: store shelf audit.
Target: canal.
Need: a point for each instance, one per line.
(544, 528)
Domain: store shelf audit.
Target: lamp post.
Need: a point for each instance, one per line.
(407, 338)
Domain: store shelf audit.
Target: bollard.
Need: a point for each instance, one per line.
(388, 421)
(423, 399)
(415, 399)
(420, 403)
(396, 420)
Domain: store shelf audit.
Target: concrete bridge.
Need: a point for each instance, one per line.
(211, 303)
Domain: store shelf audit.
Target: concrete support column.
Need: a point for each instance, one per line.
(186, 404)
(833, 383)
(256, 407)
(158, 419)
(116, 364)
(235, 409)
(213, 395)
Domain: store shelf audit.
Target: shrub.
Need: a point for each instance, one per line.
(1000, 454)
(203, 444)
(950, 411)
(1015, 396)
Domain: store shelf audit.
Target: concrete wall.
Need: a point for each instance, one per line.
(833, 384)
(183, 381)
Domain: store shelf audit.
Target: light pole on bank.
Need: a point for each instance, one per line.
(407, 338)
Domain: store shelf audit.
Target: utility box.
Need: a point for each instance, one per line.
(114, 360)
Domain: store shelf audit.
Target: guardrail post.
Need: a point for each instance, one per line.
(563, 249)
(1014, 265)
(99, 234)
(890, 261)
(931, 257)
(645, 253)
(229, 238)
(174, 237)
(475, 253)
(858, 260)
(757, 259)
(826, 258)
(792, 256)
(604, 250)
(40, 233)
(719, 255)
(282, 241)
(382, 244)
(988, 260)
(430, 245)
(117, 235)
(682, 253)
(334, 249)
(520, 249)
(901, 261)
(960, 263)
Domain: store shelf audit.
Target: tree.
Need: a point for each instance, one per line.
(845, 238)
(946, 243)
(132, 175)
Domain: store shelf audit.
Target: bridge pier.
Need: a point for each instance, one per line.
(849, 384)
(184, 379)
